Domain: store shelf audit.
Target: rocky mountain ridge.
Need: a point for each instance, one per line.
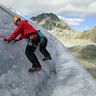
(50, 21)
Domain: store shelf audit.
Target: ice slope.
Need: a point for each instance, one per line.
(63, 76)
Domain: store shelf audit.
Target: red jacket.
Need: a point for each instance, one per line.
(24, 29)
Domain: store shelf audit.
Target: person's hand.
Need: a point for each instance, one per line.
(6, 40)
(32, 37)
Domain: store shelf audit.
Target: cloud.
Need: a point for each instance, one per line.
(80, 11)
(79, 8)
(72, 21)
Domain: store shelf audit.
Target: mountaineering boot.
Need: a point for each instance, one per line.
(47, 58)
(33, 69)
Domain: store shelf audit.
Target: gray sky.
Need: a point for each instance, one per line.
(69, 7)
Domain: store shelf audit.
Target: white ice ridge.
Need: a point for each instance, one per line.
(63, 76)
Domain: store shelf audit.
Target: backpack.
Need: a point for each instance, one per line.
(42, 38)
(40, 34)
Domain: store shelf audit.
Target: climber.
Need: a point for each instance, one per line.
(34, 38)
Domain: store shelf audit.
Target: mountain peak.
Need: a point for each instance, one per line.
(50, 21)
(43, 16)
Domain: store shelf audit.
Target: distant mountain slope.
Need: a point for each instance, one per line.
(50, 21)
(88, 35)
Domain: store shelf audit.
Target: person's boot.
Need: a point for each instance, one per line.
(33, 69)
(47, 58)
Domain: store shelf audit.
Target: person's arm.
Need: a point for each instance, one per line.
(15, 33)
(20, 37)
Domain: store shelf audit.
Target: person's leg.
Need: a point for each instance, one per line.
(43, 50)
(31, 56)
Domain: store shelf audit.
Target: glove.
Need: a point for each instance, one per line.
(32, 37)
(16, 40)
(5, 40)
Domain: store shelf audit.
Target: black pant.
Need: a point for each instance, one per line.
(31, 49)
